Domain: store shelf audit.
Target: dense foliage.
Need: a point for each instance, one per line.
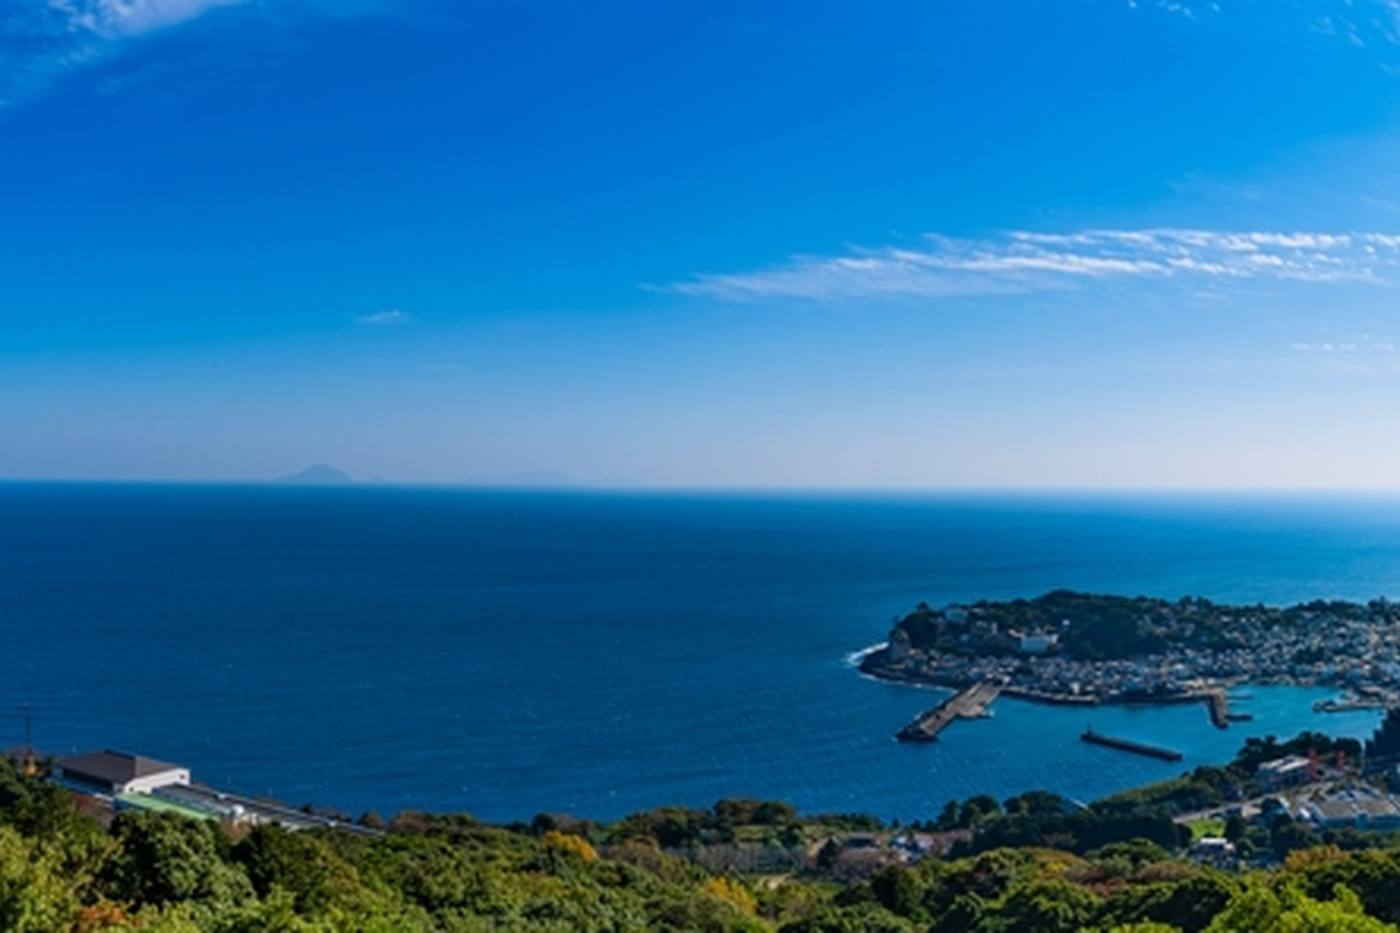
(1104, 626)
(1034, 862)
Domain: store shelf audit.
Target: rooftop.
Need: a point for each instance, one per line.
(1281, 765)
(113, 767)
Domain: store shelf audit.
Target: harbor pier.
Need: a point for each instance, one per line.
(1218, 703)
(970, 703)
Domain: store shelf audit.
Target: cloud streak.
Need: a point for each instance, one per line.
(1027, 261)
(386, 318)
(42, 40)
(112, 19)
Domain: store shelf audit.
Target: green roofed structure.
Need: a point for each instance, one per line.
(151, 804)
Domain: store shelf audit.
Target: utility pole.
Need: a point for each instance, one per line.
(30, 764)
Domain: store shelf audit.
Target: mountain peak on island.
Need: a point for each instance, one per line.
(318, 474)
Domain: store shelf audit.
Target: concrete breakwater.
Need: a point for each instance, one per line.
(1218, 703)
(970, 703)
(1128, 745)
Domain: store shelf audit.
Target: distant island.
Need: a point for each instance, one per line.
(318, 474)
(1083, 648)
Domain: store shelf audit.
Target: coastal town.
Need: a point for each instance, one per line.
(1085, 649)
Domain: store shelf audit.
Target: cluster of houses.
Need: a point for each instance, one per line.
(859, 855)
(1338, 644)
(1359, 807)
(1356, 807)
(1322, 796)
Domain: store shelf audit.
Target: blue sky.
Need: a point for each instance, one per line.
(906, 244)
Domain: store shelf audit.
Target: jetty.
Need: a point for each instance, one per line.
(1218, 703)
(1128, 745)
(970, 703)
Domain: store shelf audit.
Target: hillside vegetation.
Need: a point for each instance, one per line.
(61, 870)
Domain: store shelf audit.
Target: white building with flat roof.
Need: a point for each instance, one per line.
(109, 772)
(1288, 771)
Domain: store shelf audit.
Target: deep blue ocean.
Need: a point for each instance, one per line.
(507, 653)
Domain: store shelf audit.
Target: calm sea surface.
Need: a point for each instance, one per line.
(509, 653)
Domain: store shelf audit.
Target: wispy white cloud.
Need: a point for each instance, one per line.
(1360, 23)
(1364, 344)
(41, 40)
(1180, 9)
(1177, 7)
(1029, 261)
(113, 19)
(385, 318)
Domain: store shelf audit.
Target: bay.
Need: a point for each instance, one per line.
(506, 653)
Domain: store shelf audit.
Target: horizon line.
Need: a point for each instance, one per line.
(700, 488)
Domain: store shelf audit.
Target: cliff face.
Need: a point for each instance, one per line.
(898, 647)
(893, 659)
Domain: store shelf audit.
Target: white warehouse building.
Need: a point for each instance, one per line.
(109, 772)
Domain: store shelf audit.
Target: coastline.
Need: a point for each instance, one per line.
(1345, 702)
(974, 699)
(1074, 649)
(1048, 698)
